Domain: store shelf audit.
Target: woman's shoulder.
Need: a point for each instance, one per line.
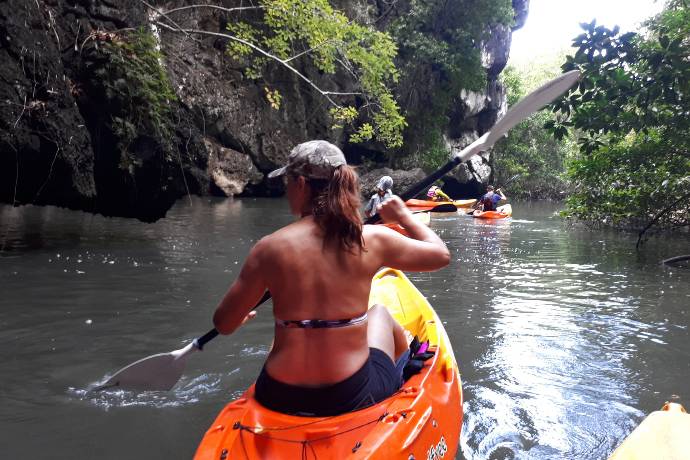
(294, 232)
(377, 232)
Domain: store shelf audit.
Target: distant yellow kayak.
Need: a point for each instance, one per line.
(663, 435)
(464, 203)
(414, 203)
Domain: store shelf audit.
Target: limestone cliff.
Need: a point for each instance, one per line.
(96, 118)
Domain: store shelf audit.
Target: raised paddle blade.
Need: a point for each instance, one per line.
(154, 373)
(523, 109)
(520, 111)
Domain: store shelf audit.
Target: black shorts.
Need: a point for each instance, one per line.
(375, 381)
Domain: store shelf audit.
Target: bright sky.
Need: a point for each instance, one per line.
(552, 24)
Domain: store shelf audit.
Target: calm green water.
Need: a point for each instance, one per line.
(566, 338)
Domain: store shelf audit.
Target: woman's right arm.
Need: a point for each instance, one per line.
(422, 251)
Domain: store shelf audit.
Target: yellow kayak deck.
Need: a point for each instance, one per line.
(663, 435)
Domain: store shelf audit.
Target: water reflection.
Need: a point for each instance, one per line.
(565, 337)
(553, 378)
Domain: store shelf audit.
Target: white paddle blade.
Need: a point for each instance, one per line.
(154, 373)
(520, 111)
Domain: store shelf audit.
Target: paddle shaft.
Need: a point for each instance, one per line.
(213, 333)
(509, 181)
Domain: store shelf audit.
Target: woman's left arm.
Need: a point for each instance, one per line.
(244, 292)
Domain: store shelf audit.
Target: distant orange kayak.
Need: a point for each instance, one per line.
(500, 213)
(421, 421)
(423, 217)
(414, 203)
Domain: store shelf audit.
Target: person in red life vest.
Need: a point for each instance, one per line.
(491, 198)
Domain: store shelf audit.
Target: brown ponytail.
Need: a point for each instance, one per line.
(335, 206)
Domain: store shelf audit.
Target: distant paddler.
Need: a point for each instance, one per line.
(384, 191)
(436, 194)
(489, 201)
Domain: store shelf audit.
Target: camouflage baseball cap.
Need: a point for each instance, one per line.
(313, 159)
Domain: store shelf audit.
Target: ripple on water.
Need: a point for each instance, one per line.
(187, 392)
(501, 424)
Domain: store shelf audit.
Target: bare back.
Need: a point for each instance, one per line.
(310, 281)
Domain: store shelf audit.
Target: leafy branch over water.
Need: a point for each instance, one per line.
(630, 112)
(289, 31)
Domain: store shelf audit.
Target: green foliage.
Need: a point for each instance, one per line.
(440, 56)
(436, 153)
(513, 83)
(447, 34)
(529, 150)
(137, 88)
(630, 110)
(625, 183)
(313, 28)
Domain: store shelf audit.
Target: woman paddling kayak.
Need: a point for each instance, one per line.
(330, 355)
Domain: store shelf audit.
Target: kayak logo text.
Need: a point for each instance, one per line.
(437, 451)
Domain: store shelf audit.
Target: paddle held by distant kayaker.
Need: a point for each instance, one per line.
(384, 190)
(330, 354)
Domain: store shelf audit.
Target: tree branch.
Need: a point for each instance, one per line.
(658, 216)
(307, 51)
(259, 50)
(215, 7)
(161, 13)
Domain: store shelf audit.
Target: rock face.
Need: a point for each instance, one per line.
(62, 131)
(95, 119)
(478, 112)
(230, 171)
(402, 179)
(233, 110)
(35, 147)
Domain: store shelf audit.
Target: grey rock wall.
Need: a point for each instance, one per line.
(58, 145)
(479, 111)
(58, 140)
(402, 179)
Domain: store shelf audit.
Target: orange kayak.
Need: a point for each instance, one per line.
(500, 213)
(423, 217)
(662, 435)
(414, 203)
(423, 420)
